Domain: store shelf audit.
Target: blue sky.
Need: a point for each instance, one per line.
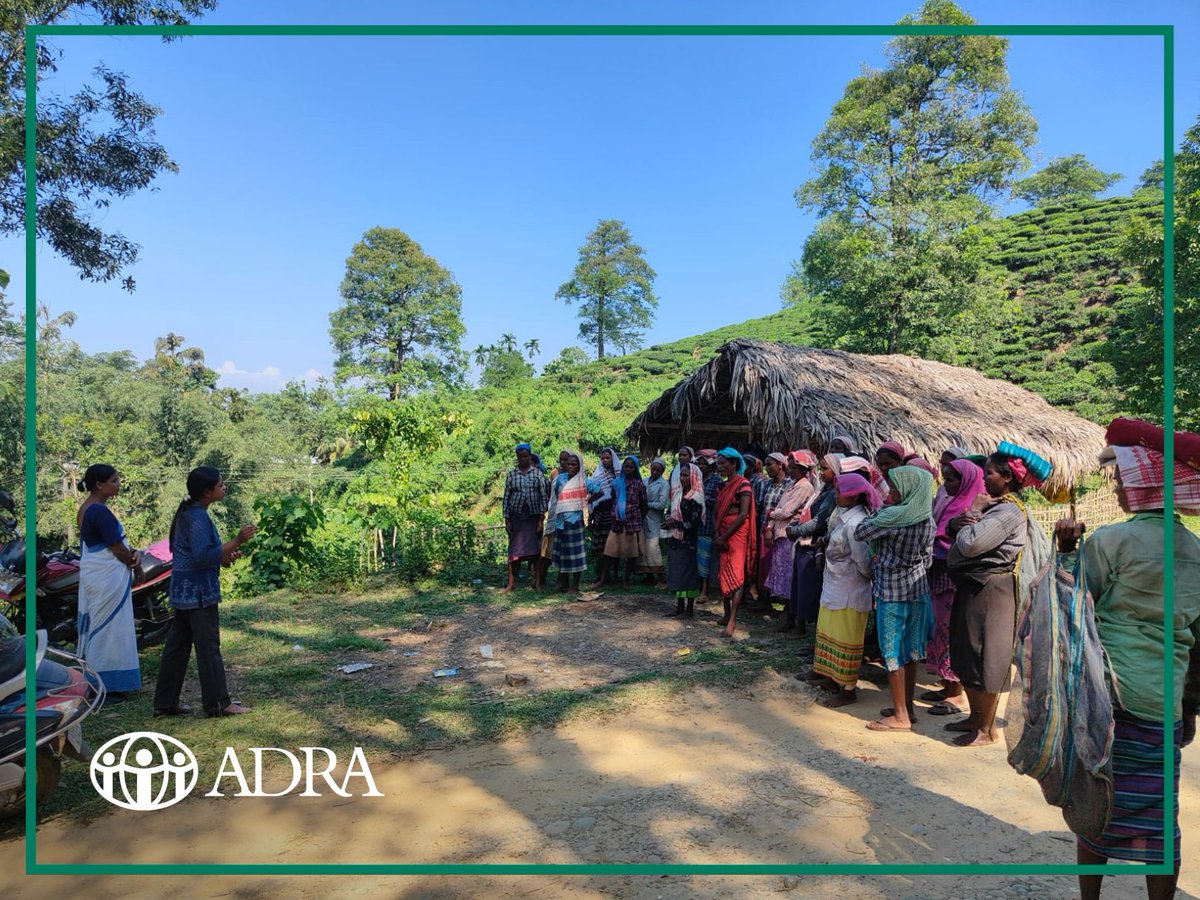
(498, 155)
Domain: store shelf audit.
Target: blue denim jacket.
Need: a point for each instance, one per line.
(196, 567)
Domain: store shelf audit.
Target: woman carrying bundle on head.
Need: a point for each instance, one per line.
(1124, 572)
(626, 538)
(901, 539)
(658, 496)
(996, 545)
(107, 634)
(526, 498)
(682, 529)
(569, 497)
(734, 542)
(962, 484)
(845, 592)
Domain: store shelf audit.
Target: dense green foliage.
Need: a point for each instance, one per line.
(285, 541)
(502, 363)
(907, 165)
(1065, 178)
(613, 285)
(1136, 350)
(400, 325)
(93, 146)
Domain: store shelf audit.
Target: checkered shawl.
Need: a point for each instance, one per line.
(1143, 474)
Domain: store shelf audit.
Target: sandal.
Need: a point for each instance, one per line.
(879, 726)
(933, 696)
(888, 711)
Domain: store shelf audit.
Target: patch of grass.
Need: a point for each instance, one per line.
(298, 703)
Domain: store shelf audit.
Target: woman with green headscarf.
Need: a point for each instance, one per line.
(901, 540)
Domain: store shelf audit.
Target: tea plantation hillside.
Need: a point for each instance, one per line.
(1064, 282)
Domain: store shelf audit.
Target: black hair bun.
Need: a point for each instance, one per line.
(81, 486)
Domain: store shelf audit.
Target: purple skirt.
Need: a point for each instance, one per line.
(523, 540)
(779, 579)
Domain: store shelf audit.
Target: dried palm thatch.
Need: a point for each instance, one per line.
(787, 397)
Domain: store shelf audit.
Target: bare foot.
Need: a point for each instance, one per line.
(889, 723)
(964, 725)
(841, 698)
(730, 629)
(975, 739)
(507, 590)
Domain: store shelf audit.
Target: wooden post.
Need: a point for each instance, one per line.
(1073, 497)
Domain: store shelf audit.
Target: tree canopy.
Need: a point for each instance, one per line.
(399, 327)
(613, 285)
(1065, 178)
(907, 167)
(504, 362)
(92, 146)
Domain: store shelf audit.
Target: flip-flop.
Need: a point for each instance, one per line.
(947, 709)
(888, 711)
(879, 726)
(933, 696)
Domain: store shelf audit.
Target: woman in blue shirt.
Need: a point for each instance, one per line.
(195, 593)
(107, 635)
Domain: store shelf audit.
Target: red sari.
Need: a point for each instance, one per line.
(739, 556)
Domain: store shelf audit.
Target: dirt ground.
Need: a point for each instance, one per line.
(760, 775)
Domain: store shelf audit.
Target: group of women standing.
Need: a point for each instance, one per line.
(833, 539)
(108, 568)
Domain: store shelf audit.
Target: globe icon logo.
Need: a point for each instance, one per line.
(144, 770)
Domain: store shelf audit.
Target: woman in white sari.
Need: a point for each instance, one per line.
(107, 636)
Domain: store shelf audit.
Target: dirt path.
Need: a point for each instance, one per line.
(757, 776)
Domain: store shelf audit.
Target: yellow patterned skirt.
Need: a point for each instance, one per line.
(839, 647)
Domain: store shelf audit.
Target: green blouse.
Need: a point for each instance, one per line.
(1124, 569)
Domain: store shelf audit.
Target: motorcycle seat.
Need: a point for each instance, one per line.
(151, 566)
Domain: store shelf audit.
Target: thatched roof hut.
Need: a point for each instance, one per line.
(786, 397)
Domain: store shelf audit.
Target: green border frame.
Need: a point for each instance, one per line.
(33, 32)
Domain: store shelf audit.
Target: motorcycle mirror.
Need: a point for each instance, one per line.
(6, 502)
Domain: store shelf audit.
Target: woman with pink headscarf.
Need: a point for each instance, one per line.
(962, 484)
(845, 593)
(788, 509)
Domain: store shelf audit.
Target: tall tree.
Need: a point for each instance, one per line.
(907, 165)
(613, 286)
(1065, 178)
(93, 146)
(1136, 343)
(1152, 178)
(400, 325)
(504, 363)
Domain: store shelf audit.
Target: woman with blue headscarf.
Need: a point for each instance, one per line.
(735, 539)
(526, 497)
(626, 538)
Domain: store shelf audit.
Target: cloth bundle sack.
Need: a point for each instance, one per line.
(1060, 714)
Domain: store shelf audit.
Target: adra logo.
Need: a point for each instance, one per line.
(309, 771)
(146, 771)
